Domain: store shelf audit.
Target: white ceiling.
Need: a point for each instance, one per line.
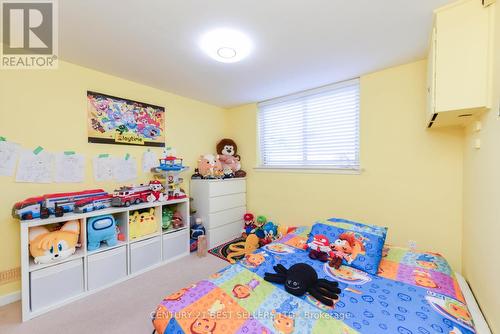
(299, 44)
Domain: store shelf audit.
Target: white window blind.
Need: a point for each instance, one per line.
(318, 128)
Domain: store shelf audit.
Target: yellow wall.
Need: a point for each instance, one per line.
(481, 204)
(48, 108)
(412, 181)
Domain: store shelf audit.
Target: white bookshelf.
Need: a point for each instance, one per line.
(87, 272)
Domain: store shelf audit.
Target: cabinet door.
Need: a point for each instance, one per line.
(431, 77)
(462, 56)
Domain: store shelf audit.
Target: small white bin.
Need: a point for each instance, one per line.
(54, 284)
(144, 254)
(107, 267)
(175, 244)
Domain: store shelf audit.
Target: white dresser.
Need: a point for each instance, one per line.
(221, 205)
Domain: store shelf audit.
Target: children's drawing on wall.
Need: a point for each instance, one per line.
(69, 167)
(114, 120)
(35, 166)
(9, 152)
(125, 169)
(149, 161)
(103, 166)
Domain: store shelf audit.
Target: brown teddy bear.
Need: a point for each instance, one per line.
(228, 156)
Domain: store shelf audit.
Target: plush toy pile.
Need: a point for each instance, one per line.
(266, 231)
(223, 165)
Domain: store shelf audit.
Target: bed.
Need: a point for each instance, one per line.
(413, 292)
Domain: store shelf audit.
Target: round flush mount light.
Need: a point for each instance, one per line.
(226, 45)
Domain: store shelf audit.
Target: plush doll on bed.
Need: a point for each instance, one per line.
(319, 248)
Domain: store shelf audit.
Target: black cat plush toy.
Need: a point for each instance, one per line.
(302, 278)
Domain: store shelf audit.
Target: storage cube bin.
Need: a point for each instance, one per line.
(144, 254)
(175, 244)
(55, 284)
(107, 267)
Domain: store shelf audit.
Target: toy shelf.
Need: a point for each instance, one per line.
(86, 272)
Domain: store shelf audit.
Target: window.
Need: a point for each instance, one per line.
(315, 129)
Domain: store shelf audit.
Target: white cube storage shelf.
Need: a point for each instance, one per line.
(48, 286)
(221, 205)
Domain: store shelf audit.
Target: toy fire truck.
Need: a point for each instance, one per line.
(127, 195)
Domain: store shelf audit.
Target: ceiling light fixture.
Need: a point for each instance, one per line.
(226, 45)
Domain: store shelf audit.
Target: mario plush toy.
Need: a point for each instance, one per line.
(249, 226)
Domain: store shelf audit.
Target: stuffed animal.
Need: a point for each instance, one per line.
(157, 191)
(209, 166)
(46, 246)
(228, 156)
(142, 223)
(259, 223)
(167, 213)
(101, 229)
(177, 220)
(270, 233)
(197, 229)
(301, 278)
(249, 224)
(243, 248)
(196, 175)
(319, 248)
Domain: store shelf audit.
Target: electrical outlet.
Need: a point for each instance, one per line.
(10, 275)
(412, 245)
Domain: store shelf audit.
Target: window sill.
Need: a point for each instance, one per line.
(311, 170)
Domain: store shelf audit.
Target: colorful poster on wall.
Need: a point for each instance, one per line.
(114, 120)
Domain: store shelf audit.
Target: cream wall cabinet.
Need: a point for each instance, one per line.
(459, 63)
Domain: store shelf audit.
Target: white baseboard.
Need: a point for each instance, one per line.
(477, 316)
(10, 298)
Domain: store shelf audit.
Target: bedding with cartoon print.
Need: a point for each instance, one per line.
(413, 293)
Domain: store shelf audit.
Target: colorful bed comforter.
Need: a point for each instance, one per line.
(413, 293)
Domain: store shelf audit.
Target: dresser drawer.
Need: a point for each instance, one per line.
(226, 187)
(220, 203)
(221, 234)
(225, 217)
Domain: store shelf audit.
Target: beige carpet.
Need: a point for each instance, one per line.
(124, 308)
